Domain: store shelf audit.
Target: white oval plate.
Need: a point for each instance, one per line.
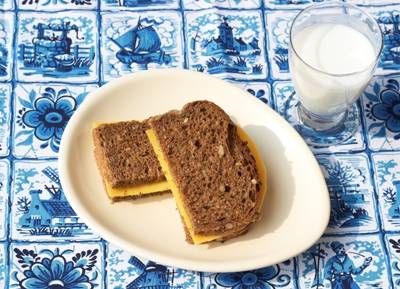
(296, 210)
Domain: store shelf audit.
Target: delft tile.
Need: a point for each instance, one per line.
(364, 264)
(57, 46)
(3, 264)
(285, 100)
(381, 105)
(6, 4)
(138, 4)
(388, 18)
(6, 40)
(387, 180)
(4, 184)
(230, 4)
(52, 5)
(353, 206)
(227, 43)
(290, 4)
(261, 90)
(55, 265)
(122, 50)
(278, 25)
(41, 113)
(371, 2)
(39, 209)
(393, 244)
(5, 117)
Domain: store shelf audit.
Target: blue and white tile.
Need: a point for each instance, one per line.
(286, 104)
(6, 40)
(4, 184)
(261, 90)
(278, 26)
(39, 209)
(229, 4)
(3, 264)
(55, 265)
(387, 180)
(5, 118)
(53, 5)
(289, 4)
(138, 4)
(6, 4)
(388, 19)
(122, 50)
(381, 105)
(363, 261)
(65, 45)
(372, 2)
(393, 245)
(351, 190)
(42, 112)
(226, 43)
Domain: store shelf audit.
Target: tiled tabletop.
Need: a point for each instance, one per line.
(54, 52)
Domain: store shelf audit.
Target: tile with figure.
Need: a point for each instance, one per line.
(290, 4)
(345, 262)
(138, 4)
(57, 46)
(56, 5)
(5, 118)
(387, 180)
(4, 196)
(286, 101)
(229, 4)
(351, 191)
(393, 244)
(7, 27)
(42, 112)
(39, 209)
(381, 106)
(56, 265)
(133, 41)
(277, 27)
(260, 90)
(226, 43)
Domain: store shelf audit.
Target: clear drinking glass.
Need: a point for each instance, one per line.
(334, 50)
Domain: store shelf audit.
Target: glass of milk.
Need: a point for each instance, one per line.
(334, 50)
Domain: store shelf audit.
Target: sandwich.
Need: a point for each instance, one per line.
(126, 160)
(213, 169)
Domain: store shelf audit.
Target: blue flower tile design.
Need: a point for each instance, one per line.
(381, 104)
(3, 265)
(5, 118)
(4, 182)
(39, 209)
(138, 41)
(69, 266)
(387, 180)
(6, 39)
(290, 4)
(138, 4)
(261, 90)
(353, 206)
(393, 245)
(278, 26)
(345, 262)
(56, 4)
(57, 46)
(41, 115)
(230, 4)
(286, 105)
(226, 43)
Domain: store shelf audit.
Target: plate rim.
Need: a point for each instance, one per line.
(195, 265)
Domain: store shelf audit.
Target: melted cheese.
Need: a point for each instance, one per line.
(198, 238)
(136, 190)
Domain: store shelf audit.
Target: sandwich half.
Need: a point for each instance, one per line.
(213, 169)
(126, 160)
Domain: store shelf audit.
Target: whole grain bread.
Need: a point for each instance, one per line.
(213, 168)
(124, 154)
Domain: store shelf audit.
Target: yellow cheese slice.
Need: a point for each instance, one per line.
(198, 238)
(137, 190)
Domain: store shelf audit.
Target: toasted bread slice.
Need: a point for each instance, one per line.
(126, 160)
(218, 184)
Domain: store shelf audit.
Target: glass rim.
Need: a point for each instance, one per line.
(337, 4)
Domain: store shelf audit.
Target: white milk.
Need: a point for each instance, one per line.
(334, 49)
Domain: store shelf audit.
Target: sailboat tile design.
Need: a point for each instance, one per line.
(225, 43)
(138, 4)
(139, 41)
